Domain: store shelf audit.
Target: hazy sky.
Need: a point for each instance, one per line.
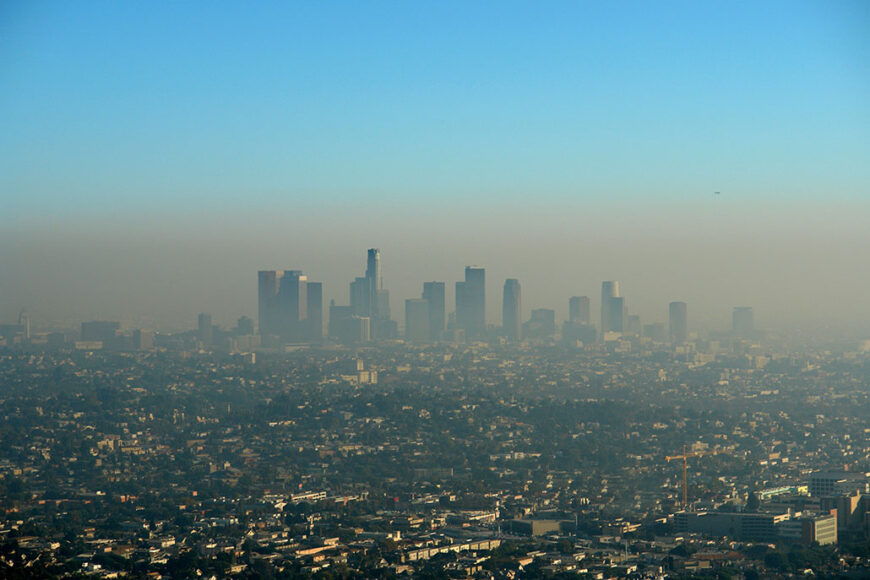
(153, 156)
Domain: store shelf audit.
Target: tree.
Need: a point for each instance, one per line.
(752, 502)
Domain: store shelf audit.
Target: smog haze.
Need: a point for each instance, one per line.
(155, 158)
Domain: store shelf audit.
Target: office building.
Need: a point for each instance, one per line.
(743, 322)
(292, 306)
(541, 325)
(417, 320)
(577, 332)
(379, 299)
(578, 310)
(244, 326)
(283, 307)
(809, 529)
(205, 330)
(457, 320)
(678, 322)
(24, 323)
(315, 311)
(838, 483)
(433, 293)
(511, 310)
(471, 303)
(268, 282)
(142, 339)
(373, 274)
(346, 327)
(611, 315)
(654, 331)
(100, 330)
(369, 299)
(360, 297)
(632, 324)
(615, 314)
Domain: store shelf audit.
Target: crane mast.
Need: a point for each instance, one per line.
(684, 456)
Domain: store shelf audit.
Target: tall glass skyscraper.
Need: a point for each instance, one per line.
(433, 293)
(511, 309)
(611, 313)
(678, 322)
(471, 302)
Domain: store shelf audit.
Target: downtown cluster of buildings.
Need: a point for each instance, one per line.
(291, 310)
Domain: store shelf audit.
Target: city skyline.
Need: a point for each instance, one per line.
(488, 305)
(435, 289)
(718, 149)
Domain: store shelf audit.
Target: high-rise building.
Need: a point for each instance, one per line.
(100, 330)
(433, 293)
(574, 332)
(315, 311)
(379, 299)
(578, 310)
(268, 283)
(417, 320)
(142, 339)
(609, 319)
(283, 306)
(654, 331)
(368, 298)
(205, 329)
(373, 271)
(24, 322)
(347, 327)
(471, 303)
(678, 321)
(512, 309)
(541, 325)
(244, 326)
(360, 297)
(459, 317)
(616, 314)
(631, 324)
(743, 321)
(293, 306)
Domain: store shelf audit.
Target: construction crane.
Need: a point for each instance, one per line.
(685, 457)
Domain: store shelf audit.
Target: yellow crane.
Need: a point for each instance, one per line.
(685, 455)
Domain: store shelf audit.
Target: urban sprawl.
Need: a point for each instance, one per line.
(322, 442)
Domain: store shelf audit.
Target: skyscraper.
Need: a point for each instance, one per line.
(205, 332)
(743, 321)
(417, 320)
(433, 293)
(375, 282)
(315, 311)
(368, 298)
(360, 297)
(373, 270)
(611, 308)
(471, 302)
(268, 282)
(347, 327)
(512, 309)
(578, 310)
(678, 321)
(461, 315)
(142, 339)
(283, 306)
(541, 325)
(292, 306)
(616, 314)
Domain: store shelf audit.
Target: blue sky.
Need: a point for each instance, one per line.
(124, 107)
(563, 143)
